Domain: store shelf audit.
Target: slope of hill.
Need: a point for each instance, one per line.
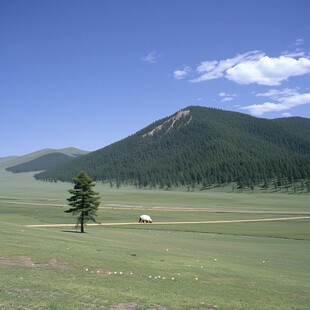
(41, 163)
(6, 159)
(199, 146)
(300, 122)
(17, 160)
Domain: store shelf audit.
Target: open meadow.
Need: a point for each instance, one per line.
(228, 265)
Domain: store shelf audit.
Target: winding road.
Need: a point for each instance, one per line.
(174, 223)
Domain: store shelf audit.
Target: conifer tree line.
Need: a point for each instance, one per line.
(205, 148)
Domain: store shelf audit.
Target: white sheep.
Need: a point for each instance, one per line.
(145, 219)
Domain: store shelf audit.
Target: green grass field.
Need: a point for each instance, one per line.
(252, 265)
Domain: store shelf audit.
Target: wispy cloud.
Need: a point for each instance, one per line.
(222, 94)
(277, 94)
(181, 74)
(207, 66)
(285, 100)
(227, 97)
(210, 70)
(299, 42)
(152, 57)
(299, 52)
(286, 114)
(251, 67)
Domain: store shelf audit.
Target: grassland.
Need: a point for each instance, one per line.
(259, 265)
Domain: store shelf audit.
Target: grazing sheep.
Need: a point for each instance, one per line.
(145, 219)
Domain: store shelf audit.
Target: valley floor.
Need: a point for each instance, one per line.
(230, 251)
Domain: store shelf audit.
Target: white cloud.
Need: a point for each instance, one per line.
(277, 94)
(222, 94)
(210, 70)
(286, 114)
(284, 103)
(297, 53)
(252, 67)
(151, 57)
(206, 66)
(268, 71)
(227, 99)
(181, 74)
(299, 42)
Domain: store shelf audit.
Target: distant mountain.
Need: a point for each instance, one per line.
(202, 146)
(300, 122)
(17, 160)
(6, 159)
(41, 163)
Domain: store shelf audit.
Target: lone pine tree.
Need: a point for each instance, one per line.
(84, 201)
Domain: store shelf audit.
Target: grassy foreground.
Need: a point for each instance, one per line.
(46, 269)
(259, 265)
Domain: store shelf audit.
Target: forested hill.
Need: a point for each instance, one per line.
(203, 146)
(300, 122)
(41, 163)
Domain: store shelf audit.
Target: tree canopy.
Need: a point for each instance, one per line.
(84, 201)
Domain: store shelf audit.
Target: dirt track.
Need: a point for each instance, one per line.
(158, 208)
(33, 204)
(110, 206)
(175, 223)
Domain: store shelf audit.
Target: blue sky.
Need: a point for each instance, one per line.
(89, 73)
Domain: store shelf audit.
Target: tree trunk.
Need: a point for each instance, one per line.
(82, 222)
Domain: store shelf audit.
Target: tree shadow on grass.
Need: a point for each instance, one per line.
(72, 231)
